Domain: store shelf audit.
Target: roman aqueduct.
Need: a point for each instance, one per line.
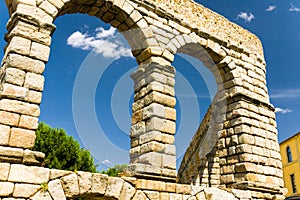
(239, 160)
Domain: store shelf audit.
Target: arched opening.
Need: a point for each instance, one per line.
(200, 164)
(241, 122)
(121, 15)
(75, 80)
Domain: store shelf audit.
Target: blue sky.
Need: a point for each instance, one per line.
(88, 91)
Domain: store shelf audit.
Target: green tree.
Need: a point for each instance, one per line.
(115, 170)
(62, 151)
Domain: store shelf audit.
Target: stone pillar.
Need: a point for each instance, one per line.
(248, 145)
(152, 152)
(21, 85)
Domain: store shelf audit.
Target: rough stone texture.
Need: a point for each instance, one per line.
(6, 188)
(4, 135)
(41, 195)
(22, 138)
(114, 187)
(99, 184)
(56, 190)
(25, 174)
(235, 147)
(4, 171)
(25, 190)
(70, 185)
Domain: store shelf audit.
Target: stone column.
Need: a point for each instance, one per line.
(21, 85)
(152, 152)
(248, 145)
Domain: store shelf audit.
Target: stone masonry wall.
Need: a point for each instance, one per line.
(37, 183)
(243, 152)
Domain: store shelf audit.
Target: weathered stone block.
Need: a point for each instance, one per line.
(246, 139)
(150, 185)
(57, 3)
(170, 113)
(169, 161)
(167, 139)
(137, 105)
(158, 124)
(33, 157)
(160, 98)
(84, 181)
(14, 76)
(4, 171)
(152, 147)
(56, 190)
(114, 187)
(137, 129)
(34, 81)
(99, 185)
(245, 167)
(25, 174)
(4, 135)
(40, 51)
(170, 149)
(35, 12)
(28, 122)
(151, 158)
(19, 45)
(22, 138)
(41, 195)
(259, 141)
(169, 173)
(11, 152)
(174, 196)
(34, 97)
(25, 190)
(139, 195)
(216, 193)
(164, 195)
(127, 191)
(183, 189)
(30, 32)
(156, 76)
(14, 91)
(70, 185)
(6, 189)
(19, 107)
(49, 8)
(154, 110)
(57, 173)
(25, 63)
(150, 136)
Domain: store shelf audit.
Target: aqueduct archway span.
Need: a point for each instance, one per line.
(246, 150)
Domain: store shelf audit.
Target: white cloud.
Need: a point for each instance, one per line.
(283, 111)
(290, 93)
(248, 17)
(293, 8)
(102, 33)
(271, 8)
(107, 162)
(103, 42)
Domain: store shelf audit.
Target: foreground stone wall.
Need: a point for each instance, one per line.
(37, 183)
(237, 141)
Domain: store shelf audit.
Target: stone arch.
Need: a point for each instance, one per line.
(247, 147)
(29, 38)
(237, 84)
(205, 170)
(126, 16)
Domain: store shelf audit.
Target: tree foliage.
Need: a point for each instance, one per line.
(62, 151)
(115, 170)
